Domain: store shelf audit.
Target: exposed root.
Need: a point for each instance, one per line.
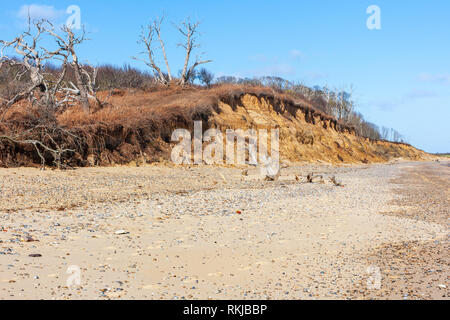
(335, 182)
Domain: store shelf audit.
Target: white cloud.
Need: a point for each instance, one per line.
(37, 11)
(296, 54)
(259, 58)
(386, 105)
(440, 78)
(281, 69)
(420, 94)
(316, 76)
(413, 96)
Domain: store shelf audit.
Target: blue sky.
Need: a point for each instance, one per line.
(401, 73)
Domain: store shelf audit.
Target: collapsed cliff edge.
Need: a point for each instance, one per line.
(136, 127)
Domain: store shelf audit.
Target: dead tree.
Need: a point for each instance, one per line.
(157, 26)
(147, 39)
(33, 59)
(40, 90)
(85, 82)
(189, 31)
(344, 104)
(152, 33)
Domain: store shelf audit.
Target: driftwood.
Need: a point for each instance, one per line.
(335, 182)
(272, 177)
(311, 178)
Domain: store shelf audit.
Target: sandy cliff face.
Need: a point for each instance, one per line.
(138, 129)
(306, 137)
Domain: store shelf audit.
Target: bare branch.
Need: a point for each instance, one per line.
(157, 26)
(67, 50)
(57, 151)
(146, 38)
(189, 31)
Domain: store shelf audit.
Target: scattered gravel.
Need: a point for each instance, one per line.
(198, 233)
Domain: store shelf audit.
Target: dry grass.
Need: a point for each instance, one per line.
(136, 123)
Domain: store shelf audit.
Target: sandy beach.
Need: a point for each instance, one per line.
(158, 232)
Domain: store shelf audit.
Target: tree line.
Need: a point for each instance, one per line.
(334, 102)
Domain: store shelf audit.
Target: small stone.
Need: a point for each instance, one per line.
(29, 239)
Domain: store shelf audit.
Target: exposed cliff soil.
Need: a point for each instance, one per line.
(309, 136)
(137, 127)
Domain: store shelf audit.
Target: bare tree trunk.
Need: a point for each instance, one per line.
(189, 31)
(66, 50)
(84, 99)
(157, 26)
(188, 48)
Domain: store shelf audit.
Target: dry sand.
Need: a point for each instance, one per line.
(213, 233)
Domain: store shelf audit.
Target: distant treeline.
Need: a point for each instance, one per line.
(337, 103)
(442, 154)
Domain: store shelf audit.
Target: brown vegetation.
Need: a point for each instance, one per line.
(137, 126)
